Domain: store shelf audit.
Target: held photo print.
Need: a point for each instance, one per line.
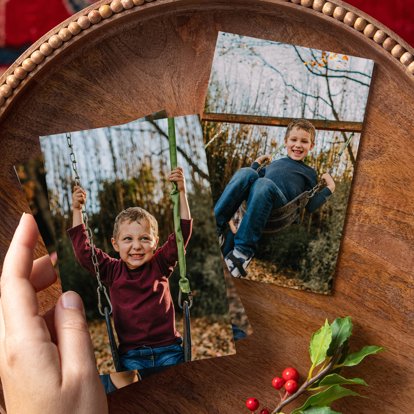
(282, 125)
(121, 167)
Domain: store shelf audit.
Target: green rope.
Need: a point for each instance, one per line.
(175, 197)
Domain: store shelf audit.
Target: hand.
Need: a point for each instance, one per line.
(264, 159)
(177, 176)
(330, 183)
(46, 363)
(78, 198)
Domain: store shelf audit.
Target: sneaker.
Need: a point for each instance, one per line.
(237, 263)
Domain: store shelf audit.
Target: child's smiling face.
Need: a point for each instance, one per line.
(135, 243)
(298, 144)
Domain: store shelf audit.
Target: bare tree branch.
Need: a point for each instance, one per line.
(289, 85)
(336, 116)
(195, 167)
(333, 70)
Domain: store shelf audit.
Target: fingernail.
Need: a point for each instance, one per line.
(71, 300)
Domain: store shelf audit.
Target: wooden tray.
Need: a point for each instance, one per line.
(115, 62)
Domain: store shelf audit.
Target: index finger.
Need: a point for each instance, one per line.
(18, 297)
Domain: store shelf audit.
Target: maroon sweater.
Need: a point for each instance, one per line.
(142, 306)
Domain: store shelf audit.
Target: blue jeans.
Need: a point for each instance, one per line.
(262, 196)
(228, 245)
(107, 383)
(149, 360)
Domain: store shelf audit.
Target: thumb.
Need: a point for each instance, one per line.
(73, 338)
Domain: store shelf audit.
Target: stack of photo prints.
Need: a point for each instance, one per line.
(149, 220)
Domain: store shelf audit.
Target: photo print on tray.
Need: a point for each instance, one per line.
(121, 167)
(282, 126)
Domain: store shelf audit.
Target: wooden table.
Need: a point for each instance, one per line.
(104, 67)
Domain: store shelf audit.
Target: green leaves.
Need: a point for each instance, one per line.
(335, 379)
(319, 344)
(341, 332)
(329, 347)
(325, 398)
(356, 357)
(328, 350)
(327, 340)
(320, 410)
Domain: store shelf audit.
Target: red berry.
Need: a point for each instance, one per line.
(278, 383)
(290, 374)
(252, 404)
(291, 386)
(265, 411)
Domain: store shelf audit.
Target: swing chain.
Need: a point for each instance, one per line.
(101, 288)
(315, 189)
(338, 156)
(189, 299)
(73, 159)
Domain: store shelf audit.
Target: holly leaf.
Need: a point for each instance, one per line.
(319, 344)
(356, 357)
(335, 379)
(326, 397)
(341, 332)
(320, 410)
(344, 353)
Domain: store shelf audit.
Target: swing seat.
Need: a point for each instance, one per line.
(284, 216)
(288, 214)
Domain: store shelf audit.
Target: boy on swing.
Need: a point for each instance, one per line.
(143, 309)
(265, 189)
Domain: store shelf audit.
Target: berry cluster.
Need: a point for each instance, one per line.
(289, 381)
(329, 353)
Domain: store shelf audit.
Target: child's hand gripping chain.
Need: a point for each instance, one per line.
(177, 176)
(78, 201)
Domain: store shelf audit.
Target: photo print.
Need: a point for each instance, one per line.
(282, 125)
(119, 169)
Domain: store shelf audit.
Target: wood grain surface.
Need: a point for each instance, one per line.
(159, 56)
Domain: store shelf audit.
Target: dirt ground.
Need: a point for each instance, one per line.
(263, 271)
(209, 339)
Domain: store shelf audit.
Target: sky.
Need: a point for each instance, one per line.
(261, 77)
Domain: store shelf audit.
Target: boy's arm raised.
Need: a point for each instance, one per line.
(177, 176)
(167, 254)
(78, 201)
(80, 242)
(184, 207)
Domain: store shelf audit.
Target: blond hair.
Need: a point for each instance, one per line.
(137, 214)
(303, 124)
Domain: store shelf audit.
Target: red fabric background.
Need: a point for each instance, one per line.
(28, 20)
(398, 15)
